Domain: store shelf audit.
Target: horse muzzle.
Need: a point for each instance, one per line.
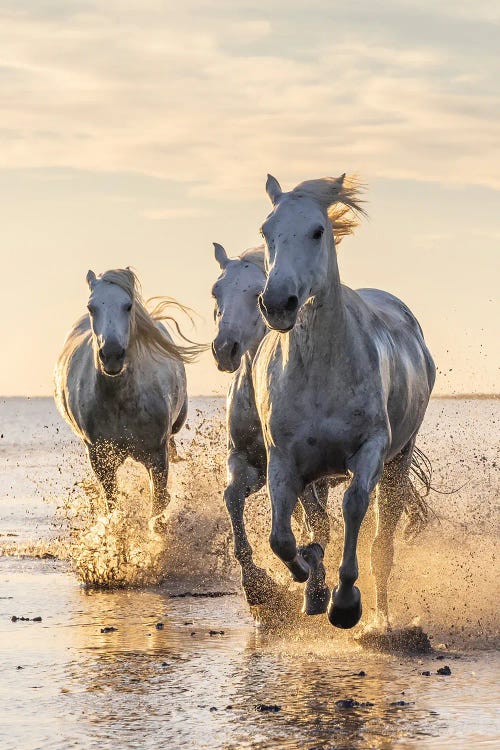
(227, 354)
(112, 360)
(279, 314)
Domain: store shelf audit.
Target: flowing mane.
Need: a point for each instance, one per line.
(340, 199)
(145, 332)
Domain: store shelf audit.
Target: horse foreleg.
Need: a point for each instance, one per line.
(157, 466)
(366, 465)
(105, 462)
(244, 479)
(284, 489)
(313, 500)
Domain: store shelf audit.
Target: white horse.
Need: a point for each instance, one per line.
(120, 383)
(240, 330)
(341, 384)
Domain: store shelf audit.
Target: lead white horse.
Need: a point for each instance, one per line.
(342, 384)
(120, 383)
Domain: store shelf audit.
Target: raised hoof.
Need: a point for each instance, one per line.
(345, 617)
(316, 602)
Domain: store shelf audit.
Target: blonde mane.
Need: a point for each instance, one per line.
(340, 198)
(145, 332)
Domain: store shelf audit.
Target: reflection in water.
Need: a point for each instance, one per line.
(141, 685)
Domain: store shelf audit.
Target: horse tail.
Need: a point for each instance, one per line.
(417, 508)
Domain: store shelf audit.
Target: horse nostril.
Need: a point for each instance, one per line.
(121, 354)
(102, 356)
(235, 349)
(292, 303)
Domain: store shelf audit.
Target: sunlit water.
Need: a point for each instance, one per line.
(66, 684)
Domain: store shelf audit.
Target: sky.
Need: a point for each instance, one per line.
(137, 132)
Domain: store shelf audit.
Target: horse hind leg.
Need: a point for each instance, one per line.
(244, 479)
(317, 522)
(394, 493)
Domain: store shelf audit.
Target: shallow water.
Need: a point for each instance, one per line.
(66, 684)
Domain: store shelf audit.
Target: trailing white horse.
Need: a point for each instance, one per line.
(120, 382)
(341, 384)
(240, 329)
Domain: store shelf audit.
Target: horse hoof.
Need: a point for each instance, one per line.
(342, 616)
(259, 587)
(316, 602)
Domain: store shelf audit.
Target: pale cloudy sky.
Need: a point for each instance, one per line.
(137, 132)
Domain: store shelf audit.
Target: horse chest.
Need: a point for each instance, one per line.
(322, 440)
(126, 423)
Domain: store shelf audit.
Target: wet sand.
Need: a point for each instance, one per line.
(65, 684)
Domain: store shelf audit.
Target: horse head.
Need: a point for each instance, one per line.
(110, 309)
(239, 325)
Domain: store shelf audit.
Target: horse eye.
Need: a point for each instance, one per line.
(318, 233)
(128, 307)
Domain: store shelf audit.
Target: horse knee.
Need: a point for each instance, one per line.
(283, 545)
(355, 504)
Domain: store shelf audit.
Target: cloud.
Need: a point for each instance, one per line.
(218, 97)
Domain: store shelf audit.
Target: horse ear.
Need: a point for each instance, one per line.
(91, 279)
(273, 189)
(220, 255)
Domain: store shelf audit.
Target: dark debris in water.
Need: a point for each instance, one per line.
(108, 629)
(216, 632)
(444, 670)
(401, 703)
(268, 708)
(15, 618)
(351, 703)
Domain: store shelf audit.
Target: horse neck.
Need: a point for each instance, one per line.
(321, 332)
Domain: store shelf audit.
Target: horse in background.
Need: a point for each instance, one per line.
(120, 382)
(342, 383)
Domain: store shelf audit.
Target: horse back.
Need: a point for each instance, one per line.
(407, 367)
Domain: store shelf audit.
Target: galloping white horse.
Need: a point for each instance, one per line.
(341, 384)
(240, 329)
(120, 382)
